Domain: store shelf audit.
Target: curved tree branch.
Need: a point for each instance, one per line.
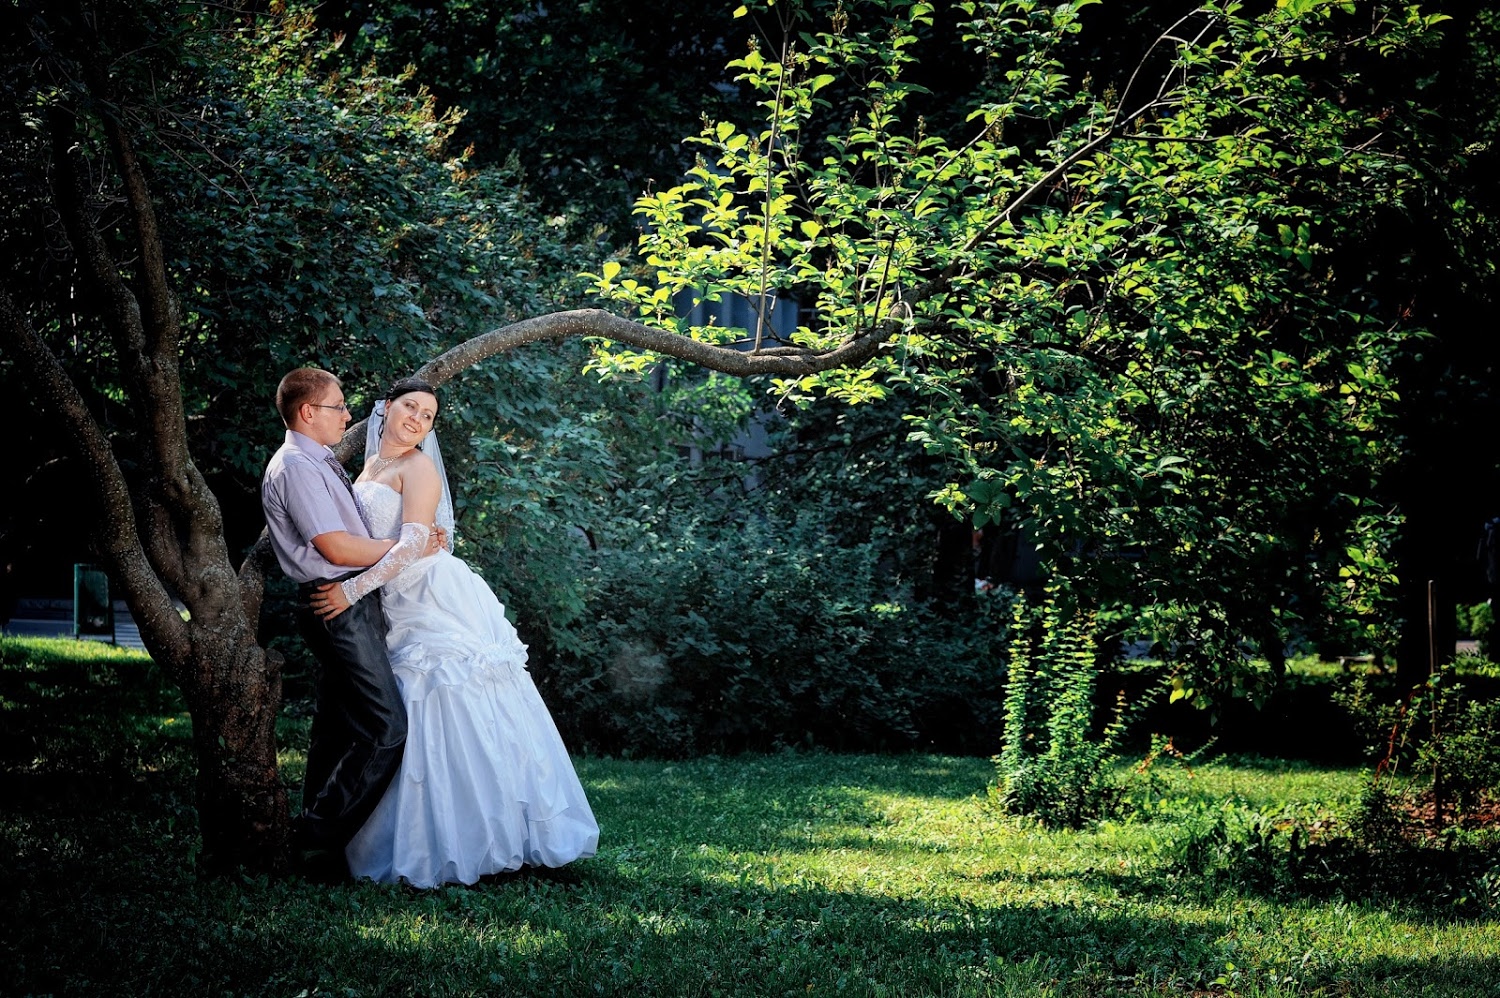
(604, 325)
(557, 326)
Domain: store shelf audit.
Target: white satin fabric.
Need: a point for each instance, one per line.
(485, 784)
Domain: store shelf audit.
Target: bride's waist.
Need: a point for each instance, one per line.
(416, 571)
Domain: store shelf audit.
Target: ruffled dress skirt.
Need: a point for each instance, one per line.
(485, 784)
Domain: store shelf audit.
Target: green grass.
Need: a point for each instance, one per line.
(794, 874)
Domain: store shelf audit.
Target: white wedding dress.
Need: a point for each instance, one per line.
(485, 784)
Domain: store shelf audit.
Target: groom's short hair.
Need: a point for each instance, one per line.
(302, 385)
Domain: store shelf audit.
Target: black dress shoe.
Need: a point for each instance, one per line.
(321, 866)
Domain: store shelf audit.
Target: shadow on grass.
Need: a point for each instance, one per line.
(81, 733)
(618, 929)
(101, 896)
(615, 931)
(1421, 882)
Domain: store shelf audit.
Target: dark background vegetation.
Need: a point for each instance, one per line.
(814, 595)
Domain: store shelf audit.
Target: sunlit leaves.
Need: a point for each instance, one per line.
(1138, 363)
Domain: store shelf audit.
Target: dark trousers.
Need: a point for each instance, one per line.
(358, 729)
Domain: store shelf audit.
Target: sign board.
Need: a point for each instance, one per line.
(93, 613)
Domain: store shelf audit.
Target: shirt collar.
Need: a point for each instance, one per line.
(303, 442)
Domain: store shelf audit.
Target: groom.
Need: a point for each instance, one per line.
(319, 535)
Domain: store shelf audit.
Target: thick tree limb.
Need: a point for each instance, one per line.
(557, 326)
(183, 521)
(157, 371)
(602, 324)
(149, 601)
(70, 195)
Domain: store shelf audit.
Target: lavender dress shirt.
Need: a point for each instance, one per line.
(303, 497)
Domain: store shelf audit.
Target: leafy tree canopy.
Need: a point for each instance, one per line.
(1120, 308)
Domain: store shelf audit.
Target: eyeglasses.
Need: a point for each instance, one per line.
(320, 405)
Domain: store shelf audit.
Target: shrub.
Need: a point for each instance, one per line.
(759, 636)
(1444, 737)
(1052, 764)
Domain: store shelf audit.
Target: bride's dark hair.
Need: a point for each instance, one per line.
(408, 385)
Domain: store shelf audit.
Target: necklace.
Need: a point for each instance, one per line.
(378, 464)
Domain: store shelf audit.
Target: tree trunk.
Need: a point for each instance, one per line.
(242, 805)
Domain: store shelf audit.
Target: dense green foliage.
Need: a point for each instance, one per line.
(310, 216)
(721, 605)
(1172, 413)
(1119, 316)
(1115, 306)
(1281, 511)
(783, 873)
(765, 634)
(588, 97)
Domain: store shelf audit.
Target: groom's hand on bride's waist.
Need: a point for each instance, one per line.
(328, 601)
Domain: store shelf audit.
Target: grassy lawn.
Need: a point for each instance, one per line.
(803, 874)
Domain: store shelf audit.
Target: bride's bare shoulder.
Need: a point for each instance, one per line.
(418, 470)
(417, 456)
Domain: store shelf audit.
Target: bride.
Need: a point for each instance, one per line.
(485, 785)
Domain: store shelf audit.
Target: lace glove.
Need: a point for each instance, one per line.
(408, 549)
